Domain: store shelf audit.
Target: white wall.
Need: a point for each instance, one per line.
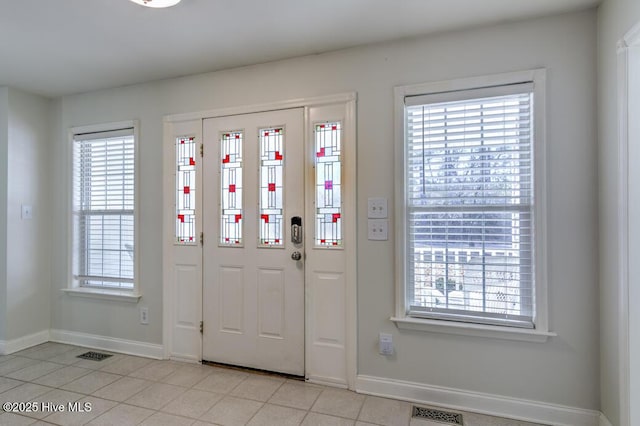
(28, 241)
(4, 132)
(615, 18)
(561, 371)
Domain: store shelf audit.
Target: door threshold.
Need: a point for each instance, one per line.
(253, 370)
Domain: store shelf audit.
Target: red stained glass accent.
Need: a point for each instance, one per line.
(187, 190)
(237, 136)
(190, 238)
(278, 155)
(322, 126)
(328, 184)
(335, 243)
(226, 159)
(272, 187)
(266, 133)
(192, 162)
(227, 135)
(265, 217)
(226, 239)
(323, 241)
(191, 138)
(232, 188)
(277, 241)
(335, 217)
(238, 217)
(320, 153)
(334, 127)
(182, 141)
(181, 218)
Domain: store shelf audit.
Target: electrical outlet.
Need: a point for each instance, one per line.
(144, 315)
(378, 229)
(377, 208)
(385, 344)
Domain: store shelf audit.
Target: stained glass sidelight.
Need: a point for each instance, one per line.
(328, 184)
(185, 190)
(271, 186)
(231, 188)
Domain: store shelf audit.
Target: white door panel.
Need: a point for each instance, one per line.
(330, 243)
(253, 291)
(183, 265)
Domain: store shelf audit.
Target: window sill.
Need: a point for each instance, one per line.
(467, 329)
(104, 294)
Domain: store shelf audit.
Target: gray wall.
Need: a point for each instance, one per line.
(615, 18)
(28, 241)
(4, 133)
(25, 245)
(561, 371)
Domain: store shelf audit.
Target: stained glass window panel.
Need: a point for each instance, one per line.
(328, 159)
(271, 186)
(231, 188)
(185, 190)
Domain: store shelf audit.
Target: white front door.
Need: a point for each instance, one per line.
(253, 198)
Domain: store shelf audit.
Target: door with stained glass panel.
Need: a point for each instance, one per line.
(253, 281)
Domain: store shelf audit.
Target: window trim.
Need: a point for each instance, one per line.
(540, 315)
(73, 288)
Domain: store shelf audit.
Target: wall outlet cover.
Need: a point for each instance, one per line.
(386, 344)
(144, 315)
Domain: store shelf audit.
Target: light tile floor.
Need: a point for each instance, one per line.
(127, 390)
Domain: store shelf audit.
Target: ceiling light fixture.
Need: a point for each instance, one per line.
(157, 3)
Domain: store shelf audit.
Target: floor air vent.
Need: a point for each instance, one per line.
(437, 415)
(94, 356)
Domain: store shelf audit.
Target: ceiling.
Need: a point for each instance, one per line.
(61, 47)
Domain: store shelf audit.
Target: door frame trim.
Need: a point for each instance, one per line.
(630, 40)
(349, 99)
(264, 107)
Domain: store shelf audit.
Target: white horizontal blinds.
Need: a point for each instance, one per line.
(103, 208)
(469, 175)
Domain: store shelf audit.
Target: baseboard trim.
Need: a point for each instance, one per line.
(483, 403)
(10, 346)
(327, 381)
(189, 359)
(130, 347)
(604, 421)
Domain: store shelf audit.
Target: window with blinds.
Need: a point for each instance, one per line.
(470, 205)
(103, 209)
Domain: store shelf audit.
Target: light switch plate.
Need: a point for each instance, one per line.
(27, 211)
(378, 229)
(377, 208)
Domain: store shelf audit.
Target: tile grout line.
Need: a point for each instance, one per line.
(361, 408)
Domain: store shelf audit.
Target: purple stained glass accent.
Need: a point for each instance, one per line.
(231, 188)
(185, 190)
(328, 232)
(271, 187)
